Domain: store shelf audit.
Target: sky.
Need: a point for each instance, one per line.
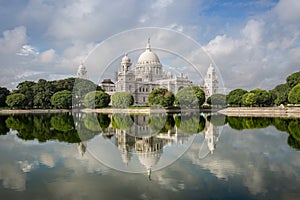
(251, 43)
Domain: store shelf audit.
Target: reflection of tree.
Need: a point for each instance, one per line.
(161, 123)
(96, 122)
(292, 142)
(240, 123)
(217, 120)
(43, 127)
(62, 123)
(3, 129)
(294, 129)
(122, 121)
(281, 124)
(190, 123)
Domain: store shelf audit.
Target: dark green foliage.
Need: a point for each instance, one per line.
(16, 100)
(294, 94)
(161, 96)
(27, 88)
(190, 122)
(262, 97)
(240, 123)
(122, 100)
(96, 122)
(43, 91)
(62, 122)
(234, 98)
(4, 92)
(293, 79)
(292, 142)
(218, 100)
(294, 128)
(96, 99)
(190, 97)
(122, 121)
(3, 128)
(40, 127)
(62, 99)
(281, 91)
(160, 123)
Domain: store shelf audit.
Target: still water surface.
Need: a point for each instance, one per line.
(194, 156)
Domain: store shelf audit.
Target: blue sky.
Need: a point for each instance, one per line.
(253, 43)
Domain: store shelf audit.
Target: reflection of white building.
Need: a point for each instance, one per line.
(211, 135)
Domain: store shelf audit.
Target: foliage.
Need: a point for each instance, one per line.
(3, 128)
(249, 99)
(190, 97)
(281, 91)
(294, 129)
(262, 97)
(161, 123)
(96, 99)
(240, 123)
(292, 142)
(294, 94)
(234, 98)
(161, 96)
(4, 92)
(217, 120)
(122, 100)
(62, 122)
(293, 79)
(27, 88)
(122, 121)
(96, 122)
(16, 100)
(217, 100)
(43, 91)
(190, 122)
(62, 99)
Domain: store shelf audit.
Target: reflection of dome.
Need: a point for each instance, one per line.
(149, 160)
(148, 57)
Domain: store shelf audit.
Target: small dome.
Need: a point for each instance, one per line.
(126, 59)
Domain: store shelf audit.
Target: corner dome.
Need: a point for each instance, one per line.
(126, 59)
(148, 57)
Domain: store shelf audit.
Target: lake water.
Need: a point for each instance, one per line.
(182, 156)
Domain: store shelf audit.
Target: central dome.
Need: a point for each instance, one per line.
(148, 57)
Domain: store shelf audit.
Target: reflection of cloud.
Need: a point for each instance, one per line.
(28, 167)
(12, 177)
(47, 159)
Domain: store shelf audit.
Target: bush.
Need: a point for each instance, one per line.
(294, 94)
(234, 98)
(217, 100)
(190, 97)
(122, 100)
(161, 96)
(16, 100)
(96, 99)
(62, 99)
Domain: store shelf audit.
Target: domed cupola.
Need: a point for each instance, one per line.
(148, 66)
(148, 57)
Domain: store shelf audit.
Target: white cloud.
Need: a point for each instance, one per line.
(288, 11)
(13, 40)
(48, 56)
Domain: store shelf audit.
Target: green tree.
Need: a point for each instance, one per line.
(217, 100)
(190, 97)
(16, 100)
(281, 91)
(62, 122)
(27, 88)
(161, 96)
(294, 94)
(4, 92)
(43, 91)
(293, 79)
(262, 97)
(62, 99)
(122, 121)
(96, 99)
(3, 128)
(234, 98)
(190, 122)
(249, 99)
(122, 100)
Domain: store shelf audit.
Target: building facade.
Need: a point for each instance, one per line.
(148, 74)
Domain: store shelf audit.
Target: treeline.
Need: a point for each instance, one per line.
(74, 92)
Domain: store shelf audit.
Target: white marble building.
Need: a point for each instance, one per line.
(148, 74)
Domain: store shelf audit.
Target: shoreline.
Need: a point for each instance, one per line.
(230, 111)
(261, 112)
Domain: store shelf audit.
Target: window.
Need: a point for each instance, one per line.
(144, 99)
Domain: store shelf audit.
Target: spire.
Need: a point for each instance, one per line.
(148, 48)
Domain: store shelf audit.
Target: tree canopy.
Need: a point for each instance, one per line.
(96, 99)
(234, 98)
(161, 96)
(293, 79)
(190, 97)
(217, 100)
(62, 99)
(122, 100)
(294, 94)
(4, 92)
